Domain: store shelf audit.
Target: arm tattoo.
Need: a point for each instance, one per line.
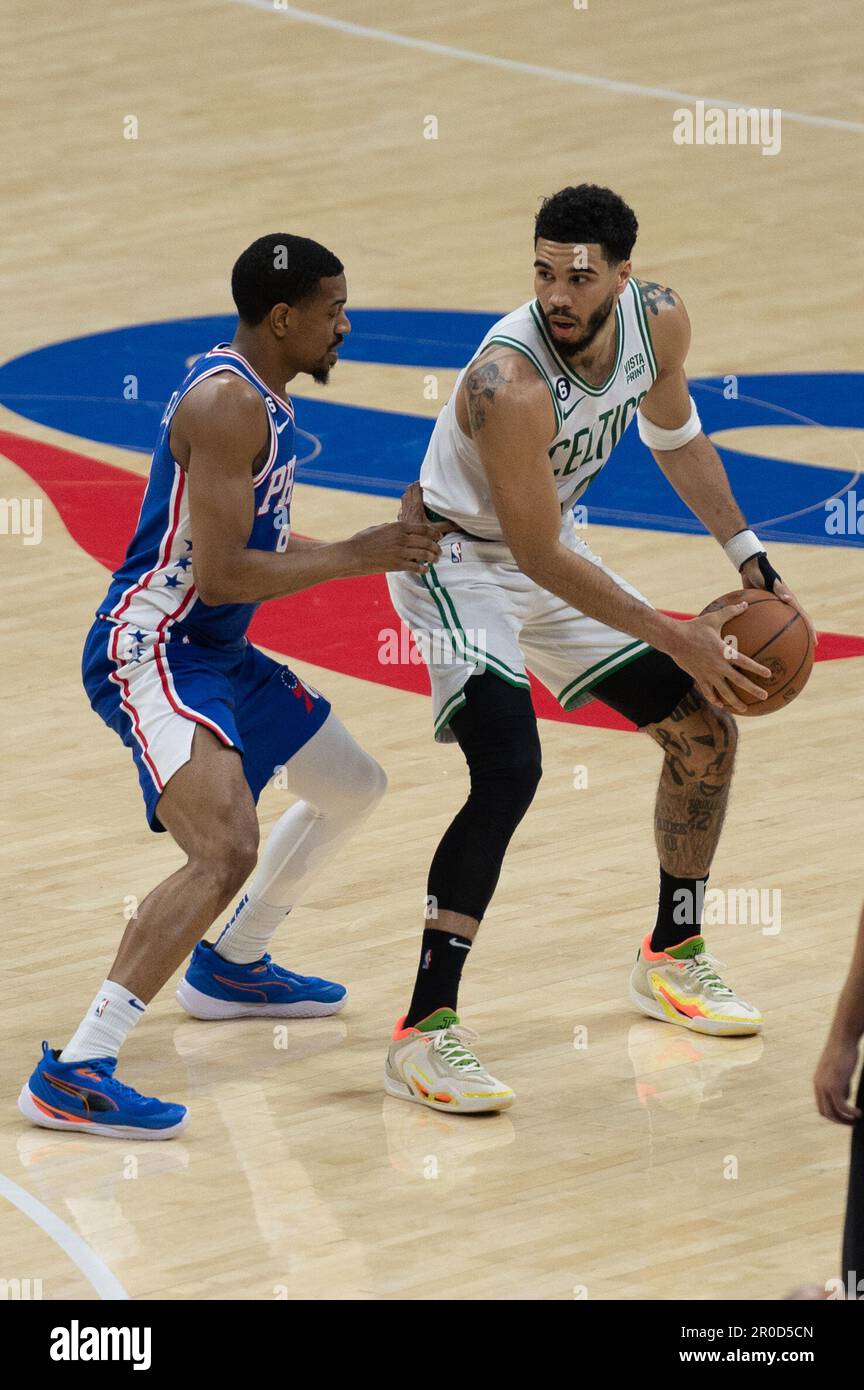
(655, 296)
(482, 383)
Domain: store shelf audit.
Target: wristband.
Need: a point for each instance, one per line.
(743, 547)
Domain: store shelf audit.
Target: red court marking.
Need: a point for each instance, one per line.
(334, 625)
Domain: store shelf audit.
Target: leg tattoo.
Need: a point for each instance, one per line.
(698, 741)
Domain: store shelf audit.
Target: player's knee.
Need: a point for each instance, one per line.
(242, 857)
(370, 784)
(702, 734)
(497, 732)
(228, 856)
(527, 771)
(717, 736)
(509, 782)
(724, 732)
(360, 785)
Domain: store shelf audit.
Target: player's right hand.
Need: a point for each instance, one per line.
(833, 1079)
(716, 665)
(397, 545)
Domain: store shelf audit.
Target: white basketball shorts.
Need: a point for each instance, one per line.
(475, 610)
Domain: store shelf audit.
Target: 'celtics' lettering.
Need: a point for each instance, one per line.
(582, 448)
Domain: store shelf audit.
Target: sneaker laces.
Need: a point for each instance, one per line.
(701, 967)
(450, 1042)
(278, 970)
(104, 1067)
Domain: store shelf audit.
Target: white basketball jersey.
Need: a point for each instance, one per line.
(590, 419)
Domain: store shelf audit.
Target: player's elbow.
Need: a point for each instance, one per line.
(534, 559)
(210, 595)
(211, 587)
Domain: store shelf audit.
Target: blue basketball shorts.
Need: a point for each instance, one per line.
(154, 693)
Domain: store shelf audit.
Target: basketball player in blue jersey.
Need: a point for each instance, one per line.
(209, 719)
(532, 420)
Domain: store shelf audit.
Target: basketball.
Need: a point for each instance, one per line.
(774, 634)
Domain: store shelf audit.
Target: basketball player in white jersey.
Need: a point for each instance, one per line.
(532, 420)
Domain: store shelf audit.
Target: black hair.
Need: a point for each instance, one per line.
(279, 269)
(589, 213)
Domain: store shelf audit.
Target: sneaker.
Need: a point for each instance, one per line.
(214, 988)
(682, 985)
(86, 1096)
(431, 1065)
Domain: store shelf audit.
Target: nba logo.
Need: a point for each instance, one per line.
(427, 959)
(101, 1007)
(456, 552)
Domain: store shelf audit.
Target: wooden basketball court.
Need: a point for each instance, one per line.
(640, 1160)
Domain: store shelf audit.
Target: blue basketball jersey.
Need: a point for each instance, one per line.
(153, 591)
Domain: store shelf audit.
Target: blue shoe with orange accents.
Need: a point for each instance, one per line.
(87, 1097)
(216, 988)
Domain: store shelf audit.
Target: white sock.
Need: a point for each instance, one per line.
(340, 786)
(106, 1024)
(248, 933)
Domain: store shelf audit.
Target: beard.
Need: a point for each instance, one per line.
(592, 328)
(322, 374)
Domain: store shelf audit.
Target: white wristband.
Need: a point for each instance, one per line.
(743, 547)
(657, 438)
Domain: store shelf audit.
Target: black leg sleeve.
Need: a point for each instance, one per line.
(497, 731)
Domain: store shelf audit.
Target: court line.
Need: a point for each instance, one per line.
(578, 79)
(94, 1269)
(801, 420)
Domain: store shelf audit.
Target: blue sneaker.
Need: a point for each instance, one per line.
(85, 1096)
(214, 988)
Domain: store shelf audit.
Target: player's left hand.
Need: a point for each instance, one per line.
(411, 506)
(754, 579)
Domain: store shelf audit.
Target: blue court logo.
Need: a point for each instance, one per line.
(78, 387)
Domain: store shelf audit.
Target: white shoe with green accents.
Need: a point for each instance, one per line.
(682, 985)
(432, 1065)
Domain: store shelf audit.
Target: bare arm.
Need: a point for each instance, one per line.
(219, 430)
(696, 470)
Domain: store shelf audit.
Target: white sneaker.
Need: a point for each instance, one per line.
(682, 985)
(431, 1065)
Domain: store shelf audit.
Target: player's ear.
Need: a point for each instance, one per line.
(283, 319)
